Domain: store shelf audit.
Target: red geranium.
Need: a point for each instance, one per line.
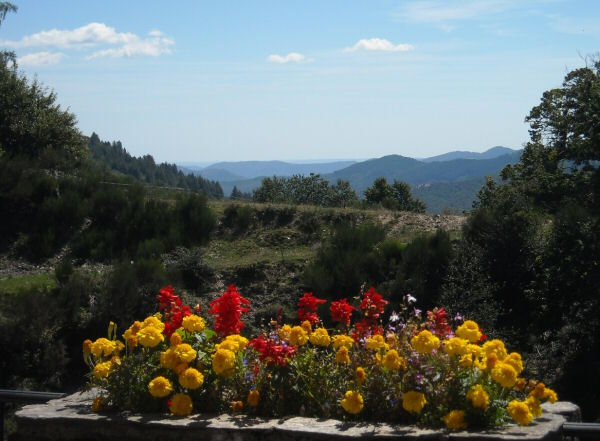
(172, 309)
(373, 304)
(341, 311)
(270, 352)
(228, 311)
(438, 322)
(307, 307)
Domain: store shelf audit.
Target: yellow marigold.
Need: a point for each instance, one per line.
(352, 402)
(342, 340)
(342, 356)
(550, 395)
(504, 374)
(478, 397)
(185, 353)
(181, 405)
(168, 359)
(153, 322)
(320, 337)
(376, 342)
(119, 346)
(284, 332)
(103, 370)
(456, 346)
(520, 384)
(298, 336)
(253, 398)
(425, 342)
(150, 337)
(361, 375)
(538, 389)
(237, 406)
(230, 345)
(175, 339)
(469, 330)
(519, 411)
(496, 347)
(474, 350)
(98, 404)
(392, 339)
(180, 368)
(193, 323)
(514, 359)
(392, 361)
(491, 360)
(413, 401)
(306, 326)
(87, 347)
(130, 335)
(103, 347)
(534, 406)
(241, 342)
(160, 387)
(455, 420)
(191, 379)
(223, 361)
(466, 361)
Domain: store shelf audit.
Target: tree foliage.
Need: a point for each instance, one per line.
(395, 197)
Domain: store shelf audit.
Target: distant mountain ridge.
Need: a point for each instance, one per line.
(492, 153)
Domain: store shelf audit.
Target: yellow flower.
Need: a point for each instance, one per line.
(320, 337)
(496, 347)
(352, 402)
(98, 404)
(361, 375)
(376, 342)
(193, 323)
(223, 361)
(130, 335)
(284, 332)
(185, 353)
(253, 398)
(341, 356)
(392, 361)
(514, 359)
(466, 361)
(175, 339)
(413, 401)
(504, 374)
(298, 336)
(425, 342)
(306, 326)
(191, 379)
(168, 359)
(342, 340)
(478, 397)
(392, 340)
(160, 387)
(491, 360)
(150, 337)
(237, 406)
(469, 330)
(534, 406)
(455, 420)
(519, 411)
(233, 343)
(181, 405)
(456, 346)
(474, 350)
(153, 322)
(180, 368)
(103, 370)
(550, 395)
(87, 347)
(103, 347)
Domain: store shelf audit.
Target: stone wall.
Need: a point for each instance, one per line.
(70, 419)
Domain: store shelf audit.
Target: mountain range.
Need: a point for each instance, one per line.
(445, 182)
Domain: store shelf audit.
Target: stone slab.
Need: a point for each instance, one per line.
(70, 419)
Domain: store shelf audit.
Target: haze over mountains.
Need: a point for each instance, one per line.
(447, 181)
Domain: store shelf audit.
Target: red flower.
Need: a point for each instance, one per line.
(341, 311)
(173, 309)
(373, 304)
(228, 311)
(437, 322)
(307, 307)
(270, 352)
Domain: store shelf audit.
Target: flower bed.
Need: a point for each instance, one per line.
(410, 371)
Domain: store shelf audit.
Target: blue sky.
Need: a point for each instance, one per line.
(193, 81)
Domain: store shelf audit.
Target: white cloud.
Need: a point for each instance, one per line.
(379, 44)
(96, 35)
(41, 59)
(292, 57)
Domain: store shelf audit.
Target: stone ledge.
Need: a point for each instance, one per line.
(70, 419)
